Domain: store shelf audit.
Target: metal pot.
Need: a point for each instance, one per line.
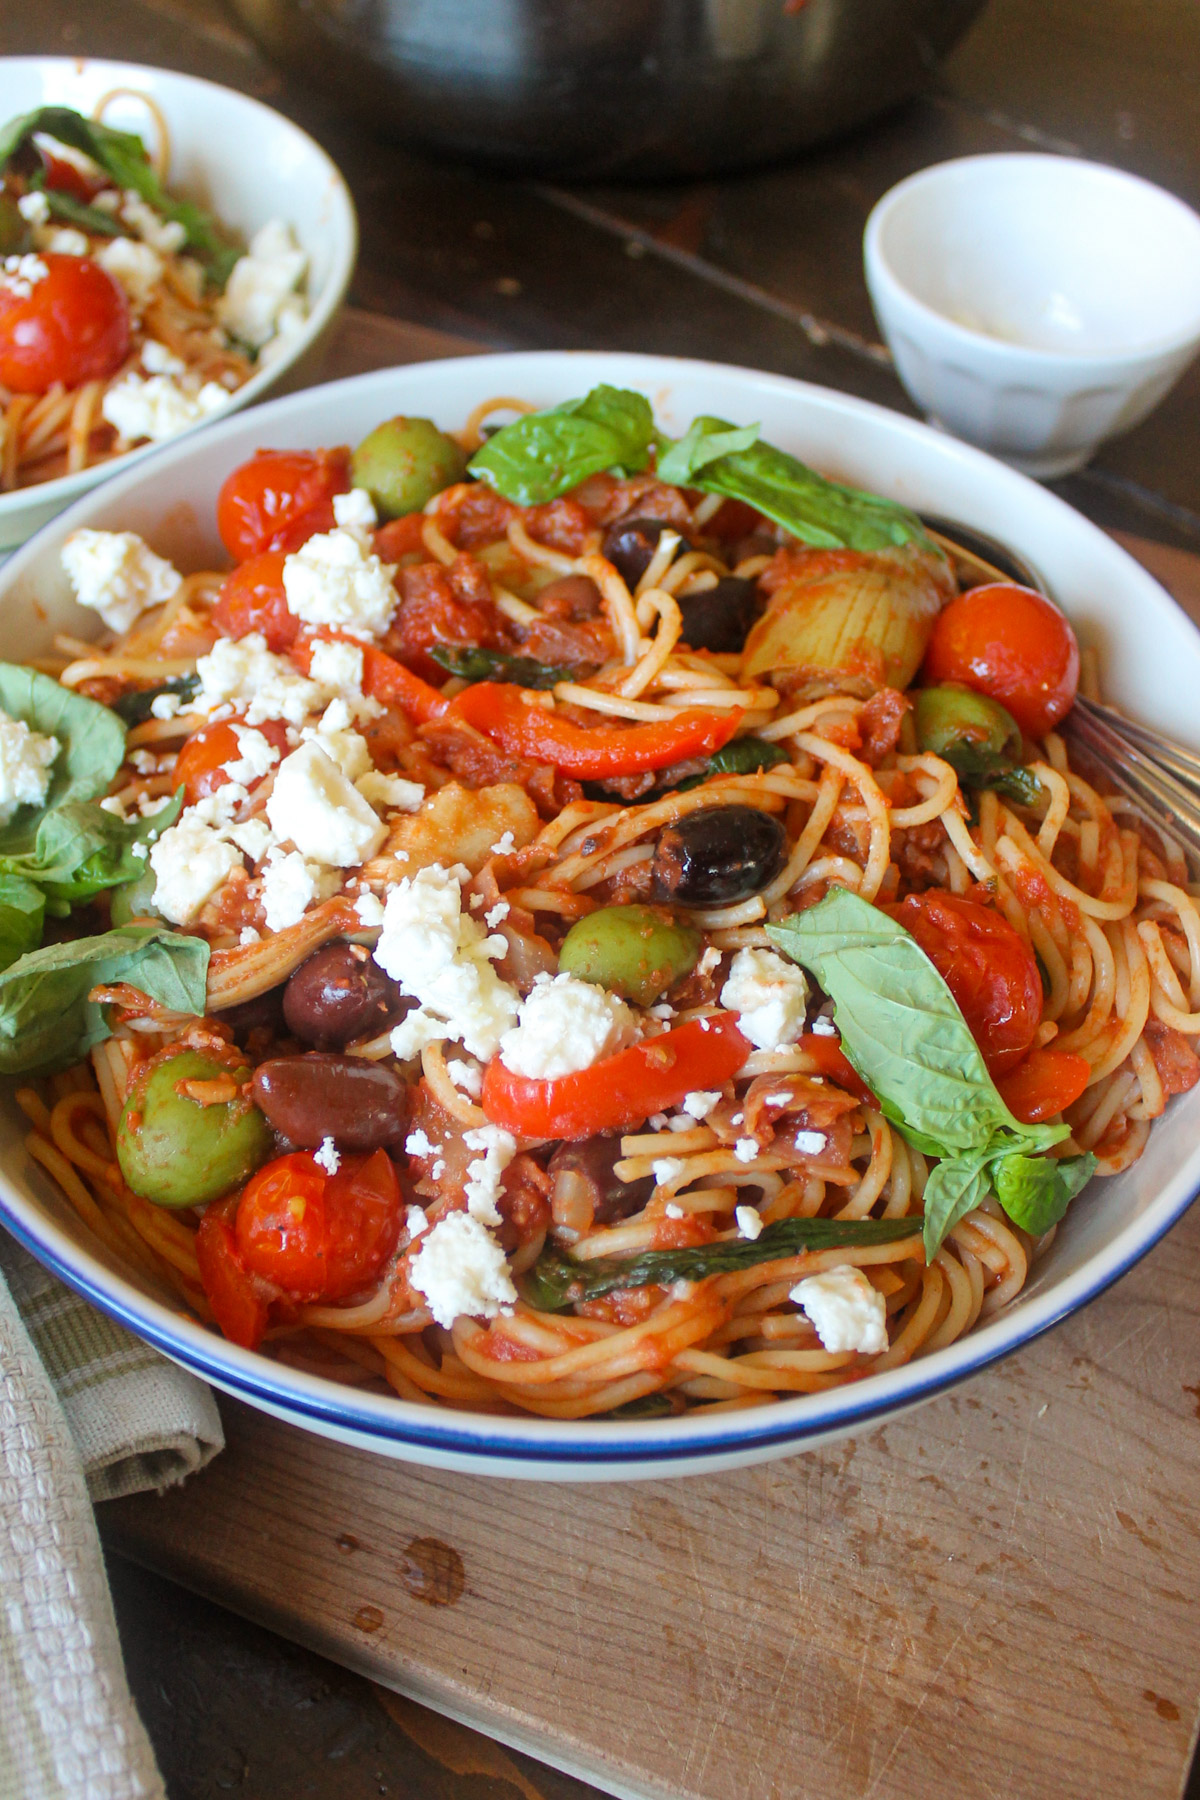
(591, 88)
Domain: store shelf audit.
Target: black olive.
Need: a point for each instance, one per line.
(719, 617)
(717, 856)
(629, 545)
(590, 1161)
(340, 993)
(263, 1013)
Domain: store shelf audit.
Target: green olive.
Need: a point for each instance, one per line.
(135, 900)
(176, 1152)
(403, 463)
(949, 716)
(635, 951)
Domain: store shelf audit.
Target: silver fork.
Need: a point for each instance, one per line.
(1159, 776)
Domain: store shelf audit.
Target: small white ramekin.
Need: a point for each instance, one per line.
(1035, 305)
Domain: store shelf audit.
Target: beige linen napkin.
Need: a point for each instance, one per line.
(123, 1419)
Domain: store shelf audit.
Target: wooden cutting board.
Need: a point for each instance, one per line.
(995, 1595)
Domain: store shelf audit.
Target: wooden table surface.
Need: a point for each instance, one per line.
(764, 270)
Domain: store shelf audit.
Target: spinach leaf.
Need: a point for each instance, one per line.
(470, 663)
(555, 1281)
(1035, 1191)
(47, 1021)
(92, 743)
(822, 513)
(540, 455)
(137, 706)
(22, 910)
(122, 156)
(701, 445)
(80, 849)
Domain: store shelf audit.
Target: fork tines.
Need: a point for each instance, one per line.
(1161, 778)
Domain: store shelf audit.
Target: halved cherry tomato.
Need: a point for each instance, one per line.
(512, 718)
(833, 1063)
(279, 499)
(1044, 1084)
(317, 1236)
(986, 964)
(1013, 644)
(71, 325)
(239, 1307)
(621, 1090)
(252, 598)
(400, 537)
(431, 613)
(200, 765)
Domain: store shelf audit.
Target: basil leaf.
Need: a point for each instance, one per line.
(555, 1281)
(745, 756)
(700, 446)
(92, 741)
(955, 1188)
(541, 455)
(978, 767)
(22, 911)
(77, 212)
(47, 1021)
(136, 707)
(1035, 1191)
(470, 663)
(81, 849)
(822, 513)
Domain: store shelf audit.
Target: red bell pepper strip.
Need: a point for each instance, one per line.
(620, 1091)
(384, 679)
(512, 718)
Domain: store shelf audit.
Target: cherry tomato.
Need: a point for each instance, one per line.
(1013, 644)
(431, 613)
(988, 967)
(834, 1065)
(279, 499)
(252, 598)
(71, 326)
(317, 1236)
(1047, 1081)
(68, 178)
(400, 537)
(200, 763)
(238, 1306)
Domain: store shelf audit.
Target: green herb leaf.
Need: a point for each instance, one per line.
(81, 849)
(977, 767)
(47, 1021)
(92, 741)
(66, 207)
(699, 446)
(541, 455)
(745, 756)
(955, 1187)
(22, 911)
(555, 1282)
(470, 663)
(136, 707)
(1035, 1191)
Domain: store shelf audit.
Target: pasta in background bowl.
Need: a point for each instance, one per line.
(1148, 666)
(255, 173)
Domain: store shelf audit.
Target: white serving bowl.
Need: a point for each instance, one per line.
(1035, 305)
(242, 161)
(1150, 656)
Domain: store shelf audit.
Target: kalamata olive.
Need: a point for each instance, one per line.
(629, 545)
(189, 1132)
(758, 543)
(586, 1191)
(718, 618)
(263, 1013)
(717, 856)
(360, 1105)
(635, 951)
(405, 462)
(570, 597)
(339, 994)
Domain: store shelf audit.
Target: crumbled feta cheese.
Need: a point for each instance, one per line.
(22, 274)
(314, 806)
(262, 284)
(191, 860)
(564, 1025)
(354, 511)
(493, 916)
(810, 1143)
(440, 955)
(701, 1103)
(165, 706)
(158, 360)
(486, 1174)
(290, 884)
(658, 1121)
(107, 200)
(504, 846)
(159, 406)
(848, 1313)
(369, 908)
(346, 749)
(680, 1122)
(672, 1211)
(416, 1221)
(823, 1026)
(661, 1010)
(64, 241)
(748, 1221)
(328, 1157)
(746, 1149)
(34, 207)
(254, 836)
(167, 235)
(137, 268)
(25, 762)
(709, 959)
(119, 576)
(247, 936)
(460, 1269)
(336, 579)
(256, 756)
(242, 673)
(769, 994)
(467, 1077)
(667, 1169)
(417, 1143)
(392, 793)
